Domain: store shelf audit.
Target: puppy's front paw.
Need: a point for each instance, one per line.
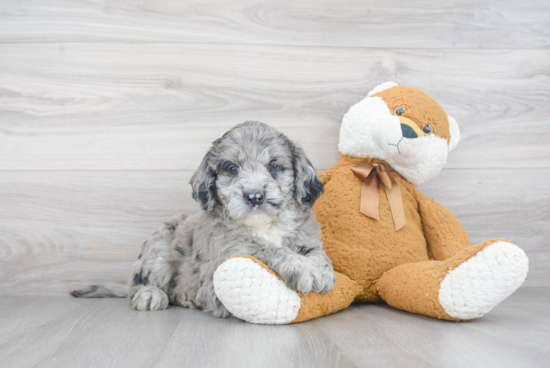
(150, 298)
(325, 280)
(306, 278)
(300, 280)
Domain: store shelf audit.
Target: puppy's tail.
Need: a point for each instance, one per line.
(102, 291)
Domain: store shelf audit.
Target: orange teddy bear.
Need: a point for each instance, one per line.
(387, 241)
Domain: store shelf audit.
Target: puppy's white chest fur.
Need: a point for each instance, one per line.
(270, 233)
(263, 228)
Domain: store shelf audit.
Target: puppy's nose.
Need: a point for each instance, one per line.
(254, 198)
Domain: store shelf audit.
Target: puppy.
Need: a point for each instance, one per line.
(256, 189)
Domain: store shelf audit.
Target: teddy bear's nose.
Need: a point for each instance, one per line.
(409, 128)
(408, 132)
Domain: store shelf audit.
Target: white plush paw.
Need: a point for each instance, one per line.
(253, 294)
(150, 298)
(479, 284)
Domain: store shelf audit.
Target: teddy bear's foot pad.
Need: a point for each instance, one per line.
(252, 293)
(483, 281)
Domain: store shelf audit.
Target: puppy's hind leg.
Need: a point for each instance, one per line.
(153, 269)
(107, 290)
(149, 298)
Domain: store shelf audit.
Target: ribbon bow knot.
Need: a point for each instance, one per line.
(371, 175)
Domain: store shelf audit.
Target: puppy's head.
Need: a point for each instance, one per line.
(252, 173)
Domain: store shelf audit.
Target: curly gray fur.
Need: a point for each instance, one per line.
(178, 262)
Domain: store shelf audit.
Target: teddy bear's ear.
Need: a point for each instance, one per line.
(455, 133)
(382, 87)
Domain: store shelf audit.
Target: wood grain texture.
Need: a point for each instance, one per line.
(67, 332)
(107, 107)
(388, 24)
(61, 229)
(65, 230)
(159, 106)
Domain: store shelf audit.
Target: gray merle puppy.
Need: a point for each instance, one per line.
(256, 189)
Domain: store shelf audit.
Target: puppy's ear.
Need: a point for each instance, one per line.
(307, 186)
(203, 183)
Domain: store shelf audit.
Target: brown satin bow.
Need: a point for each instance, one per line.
(370, 175)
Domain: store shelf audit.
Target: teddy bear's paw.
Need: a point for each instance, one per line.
(252, 293)
(483, 281)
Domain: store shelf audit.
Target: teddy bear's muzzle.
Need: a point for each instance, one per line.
(409, 128)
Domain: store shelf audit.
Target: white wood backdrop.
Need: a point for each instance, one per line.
(106, 108)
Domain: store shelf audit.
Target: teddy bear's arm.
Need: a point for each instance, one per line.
(324, 176)
(444, 233)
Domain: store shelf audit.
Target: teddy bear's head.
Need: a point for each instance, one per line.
(402, 126)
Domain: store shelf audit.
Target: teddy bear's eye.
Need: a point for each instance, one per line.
(427, 129)
(400, 111)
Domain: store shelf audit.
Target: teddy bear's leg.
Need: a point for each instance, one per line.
(254, 293)
(463, 287)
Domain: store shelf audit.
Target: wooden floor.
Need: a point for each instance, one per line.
(62, 332)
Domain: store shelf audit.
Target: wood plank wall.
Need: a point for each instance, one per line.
(106, 108)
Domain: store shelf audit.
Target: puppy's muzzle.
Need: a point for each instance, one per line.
(254, 199)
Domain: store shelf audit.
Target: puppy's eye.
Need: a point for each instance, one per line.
(233, 170)
(273, 167)
(427, 129)
(400, 111)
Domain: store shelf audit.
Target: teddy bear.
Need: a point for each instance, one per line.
(387, 241)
